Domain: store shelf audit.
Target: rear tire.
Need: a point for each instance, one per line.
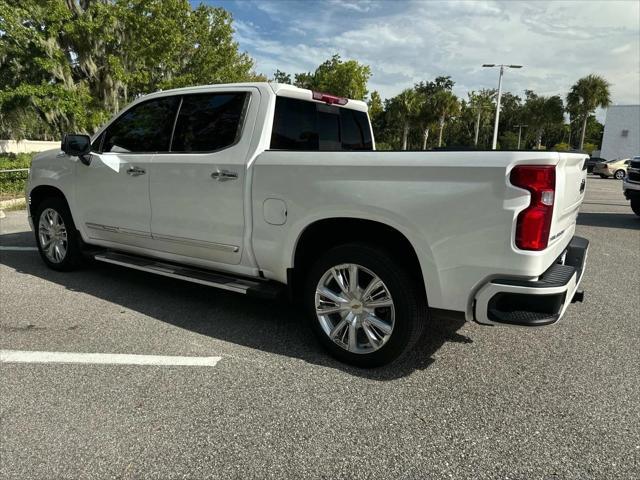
(619, 175)
(58, 240)
(371, 328)
(635, 206)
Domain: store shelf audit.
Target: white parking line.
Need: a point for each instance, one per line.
(23, 356)
(19, 249)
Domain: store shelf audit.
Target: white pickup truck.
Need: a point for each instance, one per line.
(261, 188)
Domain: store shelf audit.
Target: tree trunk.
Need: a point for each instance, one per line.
(539, 140)
(405, 135)
(441, 130)
(425, 137)
(475, 142)
(584, 130)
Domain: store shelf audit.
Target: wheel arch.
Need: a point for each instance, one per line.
(323, 234)
(41, 192)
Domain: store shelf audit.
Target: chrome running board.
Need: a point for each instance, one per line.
(260, 288)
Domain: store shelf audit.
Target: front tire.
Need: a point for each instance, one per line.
(635, 206)
(364, 307)
(56, 235)
(619, 175)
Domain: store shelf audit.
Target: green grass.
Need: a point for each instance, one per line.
(12, 184)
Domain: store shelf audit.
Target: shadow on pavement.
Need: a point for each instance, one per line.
(276, 327)
(610, 220)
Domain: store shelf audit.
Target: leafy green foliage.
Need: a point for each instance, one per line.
(562, 147)
(589, 147)
(13, 184)
(508, 141)
(335, 76)
(481, 106)
(282, 77)
(541, 114)
(69, 65)
(587, 94)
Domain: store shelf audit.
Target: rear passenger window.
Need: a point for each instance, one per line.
(295, 125)
(328, 127)
(145, 127)
(208, 122)
(304, 125)
(356, 134)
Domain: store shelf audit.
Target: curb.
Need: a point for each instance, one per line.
(13, 202)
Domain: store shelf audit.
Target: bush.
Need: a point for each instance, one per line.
(562, 147)
(12, 184)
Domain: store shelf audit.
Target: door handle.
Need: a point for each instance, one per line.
(224, 175)
(136, 171)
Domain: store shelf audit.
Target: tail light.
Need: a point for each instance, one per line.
(534, 222)
(329, 99)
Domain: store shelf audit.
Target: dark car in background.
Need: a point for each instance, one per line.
(591, 162)
(631, 184)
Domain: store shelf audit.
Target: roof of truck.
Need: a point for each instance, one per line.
(280, 89)
(286, 90)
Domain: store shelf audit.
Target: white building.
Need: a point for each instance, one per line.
(621, 132)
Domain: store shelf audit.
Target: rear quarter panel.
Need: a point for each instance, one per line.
(457, 209)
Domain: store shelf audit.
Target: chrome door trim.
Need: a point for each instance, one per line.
(113, 229)
(197, 243)
(164, 238)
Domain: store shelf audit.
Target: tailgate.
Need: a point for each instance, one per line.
(571, 175)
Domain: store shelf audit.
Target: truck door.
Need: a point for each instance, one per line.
(197, 188)
(112, 192)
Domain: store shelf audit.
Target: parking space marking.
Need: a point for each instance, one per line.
(24, 356)
(19, 249)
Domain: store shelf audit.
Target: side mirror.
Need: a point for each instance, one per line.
(77, 146)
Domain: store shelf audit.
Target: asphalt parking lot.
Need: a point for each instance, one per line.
(471, 402)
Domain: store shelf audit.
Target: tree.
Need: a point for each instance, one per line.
(404, 109)
(93, 56)
(376, 107)
(542, 113)
(508, 141)
(427, 118)
(431, 87)
(586, 95)
(344, 78)
(282, 77)
(480, 104)
(444, 104)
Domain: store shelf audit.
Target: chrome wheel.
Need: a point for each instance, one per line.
(52, 235)
(354, 308)
(619, 174)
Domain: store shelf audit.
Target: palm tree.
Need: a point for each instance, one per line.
(479, 103)
(444, 104)
(404, 108)
(586, 95)
(541, 113)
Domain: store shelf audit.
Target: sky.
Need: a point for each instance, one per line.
(405, 42)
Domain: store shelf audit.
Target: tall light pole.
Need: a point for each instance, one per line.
(502, 67)
(520, 127)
